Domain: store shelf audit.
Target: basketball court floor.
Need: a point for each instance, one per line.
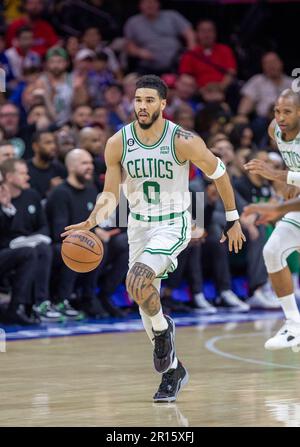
(101, 374)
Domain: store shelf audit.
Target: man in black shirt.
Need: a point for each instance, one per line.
(28, 228)
(72, 201)
(44, 170)
(19, 262)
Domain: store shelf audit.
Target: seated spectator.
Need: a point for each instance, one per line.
(18, 262)
(72, 201)
(185, 117)
(101, 117)
(44, 170)
(92, 139)
(82, 116)
(29, 228)
(43, 33)
(209, 62)
(10, 122)
(21, 55)
(118, 115)
(182, 91)
(261, 91)
(65, 143)
(99, 78)
(153, 38)
(92, 40)
(5, 64)
(242, 135)
(6, 150)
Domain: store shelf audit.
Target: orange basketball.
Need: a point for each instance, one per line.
(82, 251)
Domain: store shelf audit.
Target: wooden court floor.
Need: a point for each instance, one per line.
(108, 380)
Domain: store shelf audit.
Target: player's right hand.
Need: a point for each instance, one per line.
(86, 225)
(266, 212)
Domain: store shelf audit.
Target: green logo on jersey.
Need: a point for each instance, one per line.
(291, 159)
(150, 168)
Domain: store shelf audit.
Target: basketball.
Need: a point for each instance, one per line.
(82, 251)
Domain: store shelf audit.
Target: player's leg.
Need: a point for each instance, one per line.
(284, 240)
(140, 286)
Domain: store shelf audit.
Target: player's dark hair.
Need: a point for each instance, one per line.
(154, 82)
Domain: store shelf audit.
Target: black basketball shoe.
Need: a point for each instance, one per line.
(171, 384)
(164, 347)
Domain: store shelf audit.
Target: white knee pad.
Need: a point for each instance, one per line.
(275, 253)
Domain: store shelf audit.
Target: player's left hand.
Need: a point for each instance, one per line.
(262, 168)
(235, 237)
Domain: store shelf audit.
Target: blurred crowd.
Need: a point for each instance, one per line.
(66, 94)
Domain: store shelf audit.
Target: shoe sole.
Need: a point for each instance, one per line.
(293, 344)
(172, 354)
(173, 398)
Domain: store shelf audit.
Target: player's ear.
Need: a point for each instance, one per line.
(163, 104)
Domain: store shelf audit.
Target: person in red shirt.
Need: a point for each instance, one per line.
(43, 33)
(209, 62)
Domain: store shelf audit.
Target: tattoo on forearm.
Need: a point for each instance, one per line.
(140, 288)
(181, 133)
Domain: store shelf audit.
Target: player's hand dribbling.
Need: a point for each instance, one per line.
(235, 237)
(86, 225)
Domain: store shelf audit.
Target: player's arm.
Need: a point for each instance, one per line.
(108, 200)
(270, 212)
(191, 147)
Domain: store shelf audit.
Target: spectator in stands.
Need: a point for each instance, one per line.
(10, 122)
(44, 169)
(5, 64)
(153, 38)
(93, 140)
(18, 262)
(209, 62)
(43, 33)
(118, 115)
(101, 117)
(69, 202)
(65, 143)
(6, 150)
(21, 55)
(261, 91)
(82, 116)
(92, 40)
(99, 78)
(29, 228)
(242, 136)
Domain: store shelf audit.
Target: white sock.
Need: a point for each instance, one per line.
(147, 325)
(290, 308)
(159, 323)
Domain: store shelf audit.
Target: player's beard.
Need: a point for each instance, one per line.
(146, 126)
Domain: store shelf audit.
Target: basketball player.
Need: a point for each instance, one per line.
(153, 155)
(285, 239)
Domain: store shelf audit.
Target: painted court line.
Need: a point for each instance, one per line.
(210, 346)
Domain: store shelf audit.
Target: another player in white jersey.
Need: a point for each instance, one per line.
(285, 239)
(150, 157)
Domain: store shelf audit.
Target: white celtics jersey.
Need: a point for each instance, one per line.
(155, 182)
(290, 152)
